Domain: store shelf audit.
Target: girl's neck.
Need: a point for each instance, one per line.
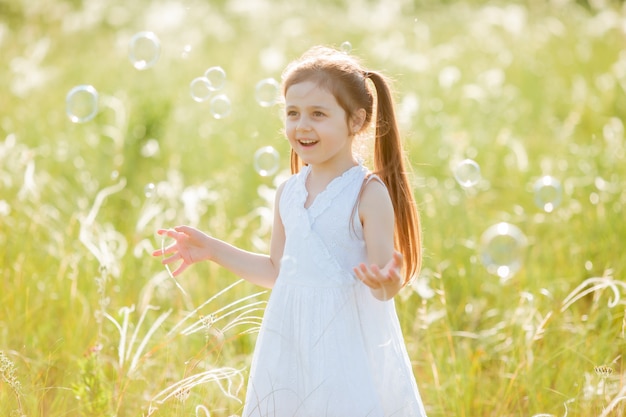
(324, 173)
(320, 176)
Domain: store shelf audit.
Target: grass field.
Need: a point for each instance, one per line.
(92, 325)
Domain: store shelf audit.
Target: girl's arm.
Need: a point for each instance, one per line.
(192, 245)
(384, 274)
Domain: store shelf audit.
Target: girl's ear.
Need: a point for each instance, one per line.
(356, 121)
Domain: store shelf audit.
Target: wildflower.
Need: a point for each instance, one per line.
(182, 394)
(7, 369)
(207, 321)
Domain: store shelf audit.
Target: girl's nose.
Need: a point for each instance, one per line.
(303, 127)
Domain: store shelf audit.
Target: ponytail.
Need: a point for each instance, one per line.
(390, 165)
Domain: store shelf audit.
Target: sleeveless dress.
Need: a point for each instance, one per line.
(327, 347)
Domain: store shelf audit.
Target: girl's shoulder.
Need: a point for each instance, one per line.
(374, 195)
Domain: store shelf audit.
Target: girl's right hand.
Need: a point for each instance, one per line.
(190, 246)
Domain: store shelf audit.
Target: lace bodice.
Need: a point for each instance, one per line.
(329, 231)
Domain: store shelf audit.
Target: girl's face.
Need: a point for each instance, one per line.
(317, 127)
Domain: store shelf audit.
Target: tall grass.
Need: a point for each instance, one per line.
(91, 325)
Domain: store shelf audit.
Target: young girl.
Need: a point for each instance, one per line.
(344, 242)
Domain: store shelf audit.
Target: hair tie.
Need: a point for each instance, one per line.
(367, 74)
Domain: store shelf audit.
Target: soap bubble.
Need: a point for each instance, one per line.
(502, 248)
(266, 161)
(216, 77)
(149, 190)
(186, 51)
(467, 173)
(144, 50)
(200, 89)
(81, 103)
(267, 92)
(548, 193)
(220, 106)
(346, 47)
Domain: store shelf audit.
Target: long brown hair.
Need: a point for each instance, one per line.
(344, 77)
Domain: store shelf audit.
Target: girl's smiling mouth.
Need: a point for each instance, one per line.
(307, 142)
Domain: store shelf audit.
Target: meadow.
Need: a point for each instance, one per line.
(92, 325)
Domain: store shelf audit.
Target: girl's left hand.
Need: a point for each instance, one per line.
(386, 282)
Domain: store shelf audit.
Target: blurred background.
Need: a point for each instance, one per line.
(118, 118)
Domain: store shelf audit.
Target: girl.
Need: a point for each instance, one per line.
(344, 242)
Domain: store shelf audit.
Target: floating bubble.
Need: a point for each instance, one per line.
(266, 161)
(346, 47)
(149, 189)
(200, 89)
(502, 248)
(467, 173)
(220, 106)
(186, 51)
(548, 193)
(144, 50)
(216, 77)
(288, 265)
(81, 103)
(267, 92)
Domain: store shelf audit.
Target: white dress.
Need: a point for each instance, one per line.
(327, 347)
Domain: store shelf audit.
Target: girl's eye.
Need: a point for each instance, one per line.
(292, 113)
(318, 114)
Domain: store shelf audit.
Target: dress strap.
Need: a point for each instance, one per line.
(369, 177)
